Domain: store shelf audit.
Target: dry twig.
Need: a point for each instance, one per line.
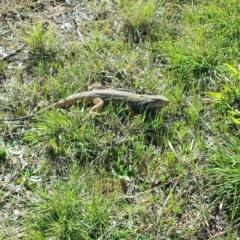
(12, 53)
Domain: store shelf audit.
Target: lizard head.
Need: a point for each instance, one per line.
(150, 103)
(155, 102)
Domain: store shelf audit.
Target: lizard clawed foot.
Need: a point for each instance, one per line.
(98, 104)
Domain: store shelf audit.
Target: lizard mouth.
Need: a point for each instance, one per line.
(152, 106)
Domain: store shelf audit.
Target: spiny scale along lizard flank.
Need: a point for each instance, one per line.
(136, 102)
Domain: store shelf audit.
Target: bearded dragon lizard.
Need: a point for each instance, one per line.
(136, 102)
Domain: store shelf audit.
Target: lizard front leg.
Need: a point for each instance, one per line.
(131, 111)
(98, 104)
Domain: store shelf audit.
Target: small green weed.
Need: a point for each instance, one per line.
(140, 19)
(227, 101)
(41, 41)
(28, 177)
(43, 48)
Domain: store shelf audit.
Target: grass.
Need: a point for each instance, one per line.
(225, 174)
(169, 175)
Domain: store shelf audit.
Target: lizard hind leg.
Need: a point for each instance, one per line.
(98, 104)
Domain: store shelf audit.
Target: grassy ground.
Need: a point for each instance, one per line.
(170, 175)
